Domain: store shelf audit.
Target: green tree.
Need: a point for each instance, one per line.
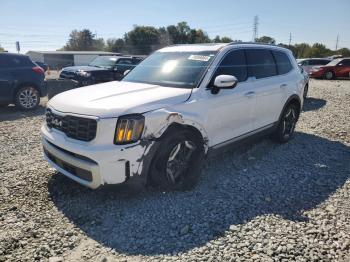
(345, 52)
(83, 40)
(223, 39)
(179, 34)
(2, 49)
(115, 45)
(266, 39)
(142, 40)
(320, 50)
(302, 50)
(198, 36)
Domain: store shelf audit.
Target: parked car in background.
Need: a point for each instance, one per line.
(42, 65)
(308, 63)
(101, 69)
(306, 80)
(336, 68)
(162, 118)
(21, 81)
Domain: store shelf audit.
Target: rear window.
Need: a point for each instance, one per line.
(283, 63)
(10, 61)
(260, 63)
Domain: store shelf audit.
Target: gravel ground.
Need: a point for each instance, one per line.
(261, 202)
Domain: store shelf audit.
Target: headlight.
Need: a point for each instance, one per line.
(84, 74)
(129, 129)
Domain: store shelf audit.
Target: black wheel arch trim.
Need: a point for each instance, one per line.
(24, 84)
(292, 97)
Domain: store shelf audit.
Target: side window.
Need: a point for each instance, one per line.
(314, 62)
(283, 63)
(324, 62)
(260, 63)
(124, 62)
(346, 62)
(233, 64)
(305, 63)
(136, 61)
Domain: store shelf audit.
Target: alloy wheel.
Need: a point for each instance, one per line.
(28, 98)
(178, 161)
(329, 75)
(289, 122)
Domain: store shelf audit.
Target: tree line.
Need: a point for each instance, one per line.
(143, 40)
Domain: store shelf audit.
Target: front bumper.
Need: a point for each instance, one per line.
(93, 164)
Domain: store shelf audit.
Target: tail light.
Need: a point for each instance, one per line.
(38, 70)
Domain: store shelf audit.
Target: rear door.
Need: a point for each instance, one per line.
(343, 68)
(6, 79)
(270, 88)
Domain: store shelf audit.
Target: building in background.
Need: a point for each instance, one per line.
(60, 59)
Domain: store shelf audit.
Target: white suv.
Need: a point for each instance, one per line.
(167, 114)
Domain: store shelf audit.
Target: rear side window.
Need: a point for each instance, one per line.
(324, 62)
(260, 63)
(19, 61)
(346, 62)
(124, 62)
(283, 63)
(136, 61)
(233, 64)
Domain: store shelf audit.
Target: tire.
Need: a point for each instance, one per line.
(27, 98)
(286, 125)
(329, 75)
(169, 169)
(306, 89)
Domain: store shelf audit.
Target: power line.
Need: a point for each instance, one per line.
(255, 27)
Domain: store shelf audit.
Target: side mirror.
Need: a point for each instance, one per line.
(126, 72)
(223, 82)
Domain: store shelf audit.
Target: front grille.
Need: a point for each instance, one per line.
(79, 128)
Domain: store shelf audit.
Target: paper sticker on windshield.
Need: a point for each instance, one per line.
(203, 58)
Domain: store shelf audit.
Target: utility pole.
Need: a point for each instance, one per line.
(255, 27)
(290, 38)
(336, 43)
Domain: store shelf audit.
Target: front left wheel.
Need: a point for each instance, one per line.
(176, 164)
(27, 98)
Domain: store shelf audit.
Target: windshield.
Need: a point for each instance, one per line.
(334, 62)
(103, 61)
(173, 69)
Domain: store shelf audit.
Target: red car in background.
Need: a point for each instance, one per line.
(336, 68)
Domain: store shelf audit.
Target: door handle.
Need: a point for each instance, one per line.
(283, 86)
(250, 94)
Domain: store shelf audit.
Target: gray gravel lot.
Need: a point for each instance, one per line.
(261, 202)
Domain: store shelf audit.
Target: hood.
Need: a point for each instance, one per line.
(83, 68)
(114, 99)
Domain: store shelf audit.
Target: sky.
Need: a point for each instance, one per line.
(45, 24)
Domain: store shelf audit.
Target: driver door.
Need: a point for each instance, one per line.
(230, 113)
